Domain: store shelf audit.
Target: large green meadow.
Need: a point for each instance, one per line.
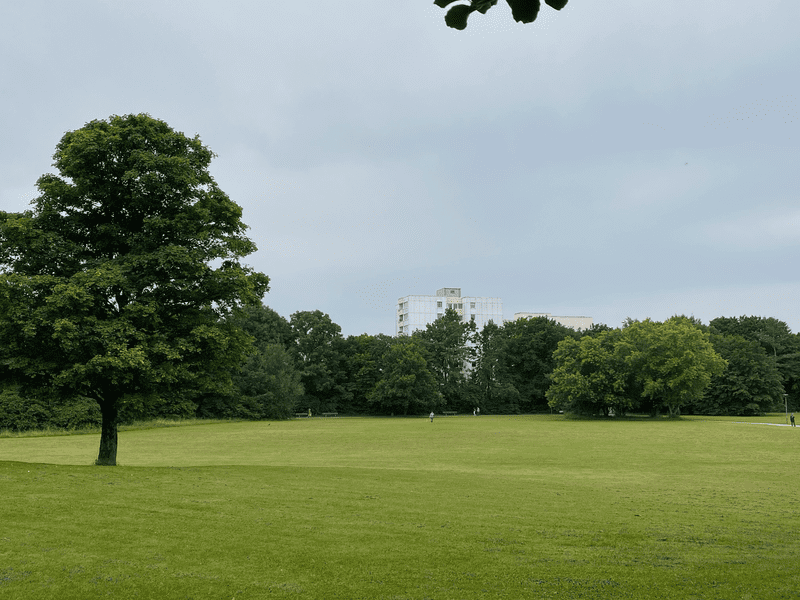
(401, 508)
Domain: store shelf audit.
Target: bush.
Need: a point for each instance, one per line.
(80, 413)
(18, 413)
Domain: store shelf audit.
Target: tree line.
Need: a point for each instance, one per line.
(732, 366)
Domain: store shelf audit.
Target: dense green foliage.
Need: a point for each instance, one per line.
(406, 384)
(527, 358)
(447, 344)
(523, 11)
(750, 383)
(679, 365)
(530, 365)
(318, 350)
(107, 288)
(778, 342)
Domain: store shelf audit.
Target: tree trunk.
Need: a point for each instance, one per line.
(108, 435)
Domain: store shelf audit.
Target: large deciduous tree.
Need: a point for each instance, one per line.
(267, 385)
(673, 361)
(493, 392)
(646, 364)
(590, 376)
(447, 343)
(527, 357)
(119, 279)
(750, 383)
(406, 384)
(365, 368)
(318, 349)
(778, 342)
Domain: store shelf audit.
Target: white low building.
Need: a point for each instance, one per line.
(576, 323)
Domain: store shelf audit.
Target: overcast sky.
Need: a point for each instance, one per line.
(629, 158)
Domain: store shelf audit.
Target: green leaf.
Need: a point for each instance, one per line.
(456, 17)
(557, 4)
(524, 11)
(483, 5)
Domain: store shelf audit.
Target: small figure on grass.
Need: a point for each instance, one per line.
(473, 411)
(792, 420)
(431, 416)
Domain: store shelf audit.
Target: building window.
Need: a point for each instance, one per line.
(438, 305)
(472, 305)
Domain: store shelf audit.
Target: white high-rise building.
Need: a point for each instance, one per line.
(415, 312)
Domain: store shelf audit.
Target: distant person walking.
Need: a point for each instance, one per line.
(479, 411)
(431, 416)
(792, 419)
(473, 411)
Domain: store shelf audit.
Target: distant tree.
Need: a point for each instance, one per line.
(590, 376)
(317, 347)
(527, 357)
(267, 386)
(691, 319)
(448, 348)
(494, 393)
(406, 384)
(116, 284)
(596, 329)
(644, 364)
(750, 384)
(365, 367)
(265, 325)
(523, 11)
(674, 361)
(778, 342)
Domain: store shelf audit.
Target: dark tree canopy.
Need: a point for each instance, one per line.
(447, 344)
(119, 279)
(669, 364)
(318, 350)
(778, 342)
(523, 11)
(365, 365)
(750, 383)
(492, 389)
(527, 358)
(406, 383)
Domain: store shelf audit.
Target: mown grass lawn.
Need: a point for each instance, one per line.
(486, 507)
